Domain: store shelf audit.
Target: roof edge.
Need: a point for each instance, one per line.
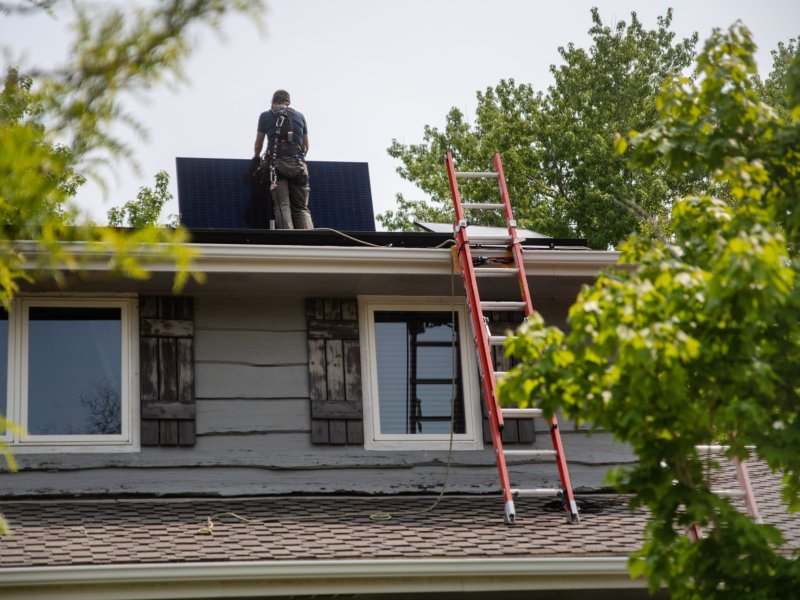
(275, 578)
(334, 259)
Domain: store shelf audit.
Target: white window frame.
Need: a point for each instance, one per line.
(17, 401)
(373, 438)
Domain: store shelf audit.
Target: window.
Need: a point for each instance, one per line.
(418, 366)
(67, 373)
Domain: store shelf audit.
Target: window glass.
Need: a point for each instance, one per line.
(419, 372)
(74, 371)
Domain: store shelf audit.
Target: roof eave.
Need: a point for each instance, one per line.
(275, 578)
(211, 258)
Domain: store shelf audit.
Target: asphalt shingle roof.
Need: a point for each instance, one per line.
(137, 531)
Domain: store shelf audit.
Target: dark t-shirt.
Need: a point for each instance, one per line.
(267, 119)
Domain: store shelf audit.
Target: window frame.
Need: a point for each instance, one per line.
(373, 438)
(18, 368)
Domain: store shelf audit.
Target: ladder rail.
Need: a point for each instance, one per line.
(516, 248)
(484, 338)
(488, 383)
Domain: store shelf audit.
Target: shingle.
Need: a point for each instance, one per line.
(121, 531)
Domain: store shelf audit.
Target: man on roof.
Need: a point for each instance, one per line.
(286, 133)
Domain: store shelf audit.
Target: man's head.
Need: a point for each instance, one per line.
(281, 97)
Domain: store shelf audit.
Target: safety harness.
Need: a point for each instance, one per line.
(284, 144)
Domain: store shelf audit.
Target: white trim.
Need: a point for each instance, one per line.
(279, 578)
(128, 439)
(373, 438)
(251, 258)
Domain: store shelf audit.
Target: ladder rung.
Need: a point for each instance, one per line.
(483, 205)
(476, 175)
(497, 340)
(529, 452)
(498, 375)
(495, 271)
(536, 492)
(711, 448)
(510, 306)
(730, 493)
(522, 413)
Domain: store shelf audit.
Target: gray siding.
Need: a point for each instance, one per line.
(253, 429)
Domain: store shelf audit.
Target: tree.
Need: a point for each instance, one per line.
(118, 51)
(774, 91)
(701, 341)
(146, 209)
(563, 174)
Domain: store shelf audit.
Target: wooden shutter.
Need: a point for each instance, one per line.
(166, 367)
(334, 371)
(515, 431)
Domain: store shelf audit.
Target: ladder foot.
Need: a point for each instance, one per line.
(510, 515)
(572, 512)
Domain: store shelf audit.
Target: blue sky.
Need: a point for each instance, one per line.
(364, 72)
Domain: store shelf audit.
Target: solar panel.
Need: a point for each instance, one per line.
(216, 193)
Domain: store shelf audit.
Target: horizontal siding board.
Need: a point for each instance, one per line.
(251, 347)
(255, 415)
(254, 313)
(239, 481)
(214, 380)
(291, 451)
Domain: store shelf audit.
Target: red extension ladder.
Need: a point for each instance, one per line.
(484, 338)
(744, 491)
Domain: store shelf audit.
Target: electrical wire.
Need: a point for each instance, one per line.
(449, 242)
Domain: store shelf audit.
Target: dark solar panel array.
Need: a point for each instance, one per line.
(216, 193)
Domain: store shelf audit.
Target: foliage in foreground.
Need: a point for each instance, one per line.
(118, 52)
(701, 341)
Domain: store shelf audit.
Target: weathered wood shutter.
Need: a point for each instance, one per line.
(515, 431)
(334, 371)
(166, 367)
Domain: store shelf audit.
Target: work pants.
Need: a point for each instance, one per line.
(290, 197)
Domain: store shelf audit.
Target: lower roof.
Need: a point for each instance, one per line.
(271, 546)
(288, 545)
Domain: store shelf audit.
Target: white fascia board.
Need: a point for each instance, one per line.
(275, 578)
(244, 258)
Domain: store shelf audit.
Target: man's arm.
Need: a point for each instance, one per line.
(259, 143)
(305, 143)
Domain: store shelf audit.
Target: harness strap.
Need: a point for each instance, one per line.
(280, 120)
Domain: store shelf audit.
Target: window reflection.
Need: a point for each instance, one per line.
(74, 371)
(419, 372)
